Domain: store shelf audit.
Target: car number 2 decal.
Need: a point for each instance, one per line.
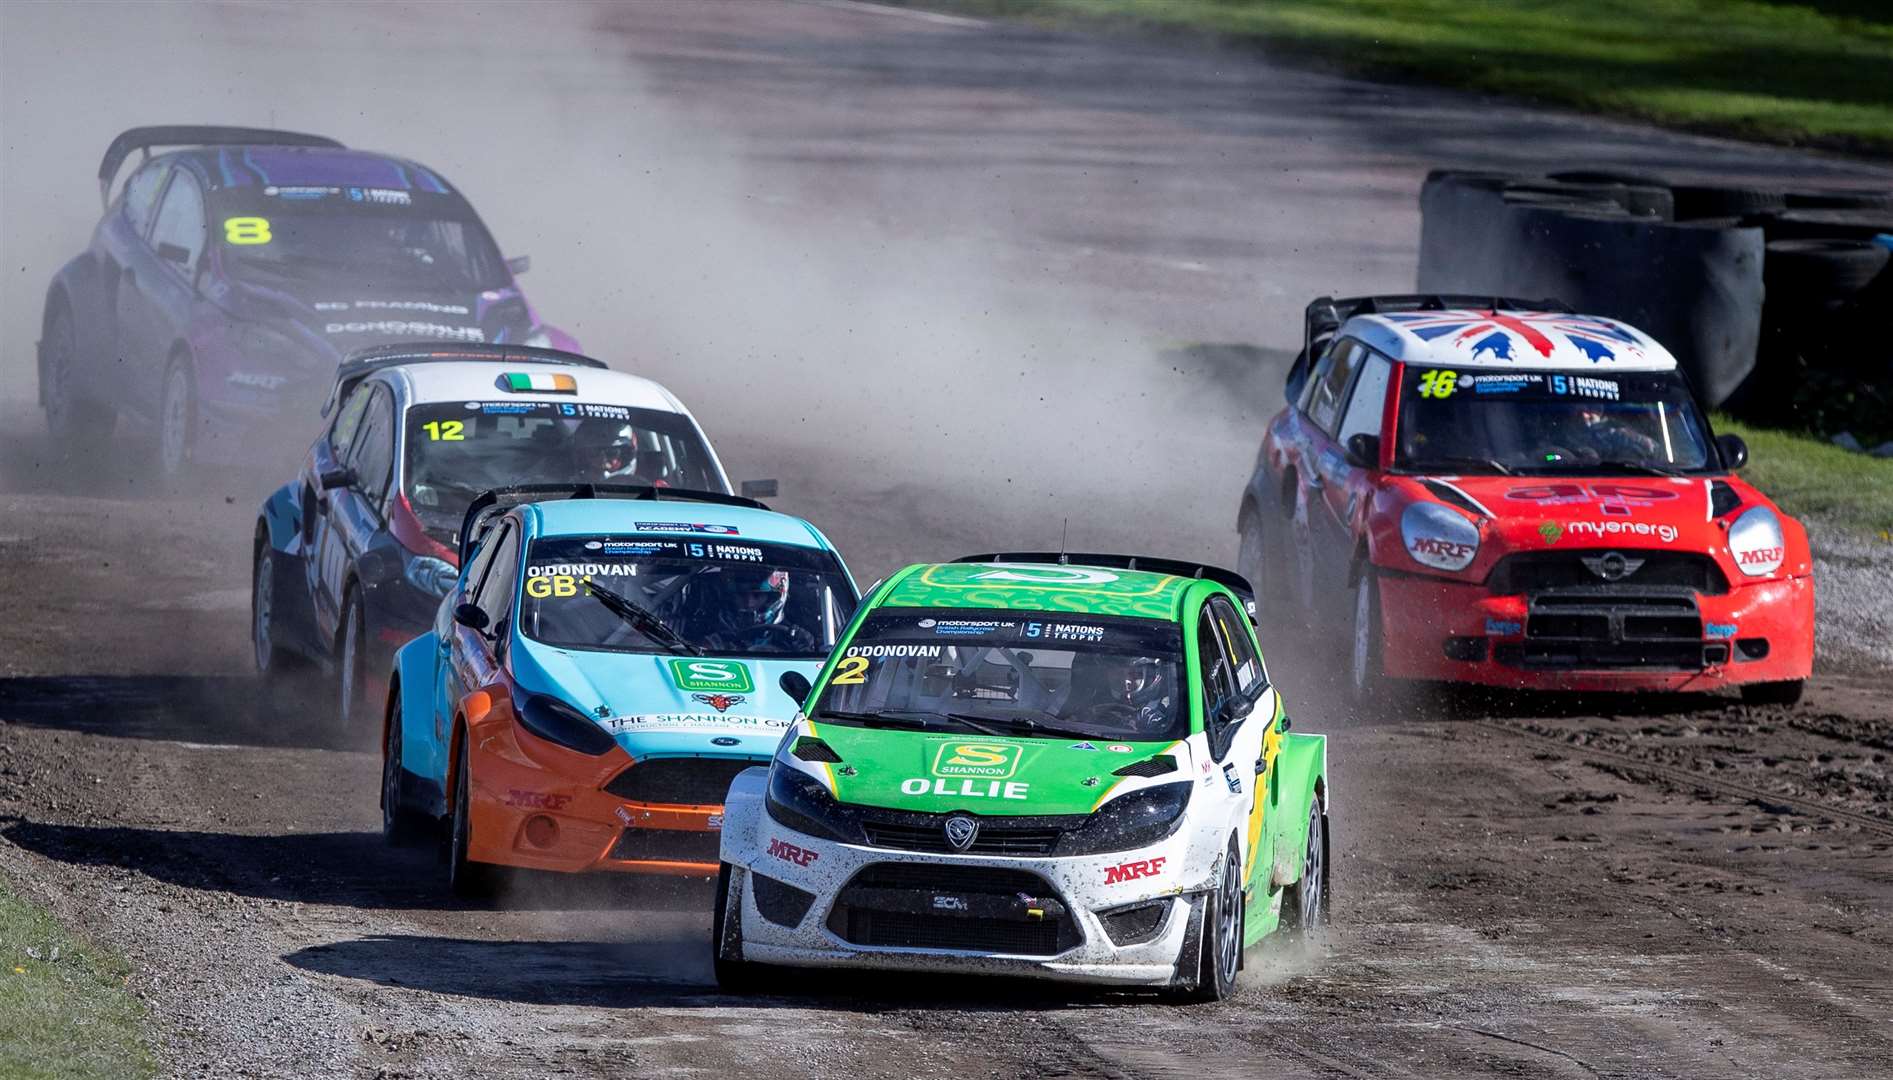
(851, 671)
(246, 230)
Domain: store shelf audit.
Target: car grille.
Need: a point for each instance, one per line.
(1610, 628)
(1539, 571)
(997, 835)
(667, 845)
(684, 781)
(969, 908)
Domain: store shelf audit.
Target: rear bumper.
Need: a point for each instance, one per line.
(1453, 631)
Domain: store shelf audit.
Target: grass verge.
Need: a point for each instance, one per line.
(1807, 72)
(1807, 476)
(64, 1011)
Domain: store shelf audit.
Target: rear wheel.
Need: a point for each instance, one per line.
(1305, 905)
(401, 825)
(1222, 934)
(1787, 692)
(733, 973)
(468, 879)
(69, 416)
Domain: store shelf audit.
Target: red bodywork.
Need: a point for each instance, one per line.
(1544, 621)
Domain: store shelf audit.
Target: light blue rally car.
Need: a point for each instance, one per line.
(606, 662)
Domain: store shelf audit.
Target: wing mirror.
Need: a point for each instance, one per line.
(1734, 451)
(340, 477)
(796, 685)
(470, 616)
(1363, 450)
(519, 264)
(758, 489)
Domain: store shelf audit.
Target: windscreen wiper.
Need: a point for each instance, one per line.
(1037, 727)
(643, 621)
(1643, 467)
(1483, 462)
(884, 718)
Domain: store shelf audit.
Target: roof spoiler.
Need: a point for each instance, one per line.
(1228, 579)
(1326, 314)
(144, 138)
(490, 502)
(362, 363)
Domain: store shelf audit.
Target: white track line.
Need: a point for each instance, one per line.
(933, 17)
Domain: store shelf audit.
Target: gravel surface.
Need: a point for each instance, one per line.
(924, 273)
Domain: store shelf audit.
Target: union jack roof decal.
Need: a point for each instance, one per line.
(1502, 339)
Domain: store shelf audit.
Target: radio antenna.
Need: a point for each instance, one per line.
(1064, 531)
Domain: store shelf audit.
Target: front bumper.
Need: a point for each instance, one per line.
(1630, 639)
(815, 903)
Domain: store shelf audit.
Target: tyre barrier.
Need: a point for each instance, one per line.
(1761, 293)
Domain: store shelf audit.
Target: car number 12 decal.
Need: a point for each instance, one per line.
(446, 430)
(246, 230)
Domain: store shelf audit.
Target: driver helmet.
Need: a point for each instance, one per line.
(753, 598)
(1134, 680)
(604, 450)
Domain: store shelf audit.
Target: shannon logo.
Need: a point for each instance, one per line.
(990, 760)
(725, 676)
(719, 702)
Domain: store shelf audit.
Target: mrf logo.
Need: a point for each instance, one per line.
(719, 702)
(992, 761)
(711, 676)
(1131, 871)
(788, 852)
(536, 800)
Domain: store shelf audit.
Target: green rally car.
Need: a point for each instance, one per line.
(1072, 767)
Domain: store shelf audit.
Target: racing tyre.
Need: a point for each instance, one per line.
(177, 424)
(351, 656)
(401, 825)
(272, 660)
(69, 416)
(1366, 683)
(1305, 903)
(468, 879)
(1255, 560)
(1787, 692)
(1300, 566)
(733, 973)
(1222, 934)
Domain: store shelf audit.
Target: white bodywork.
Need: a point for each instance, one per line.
(1540, 340)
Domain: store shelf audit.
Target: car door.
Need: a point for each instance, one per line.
(157, 290)
(449, 635)
(355, 510)
(475, 656)
(1346, 486)
(120, 244)
(1318, 463)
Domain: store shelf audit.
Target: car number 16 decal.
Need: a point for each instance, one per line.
(246, 230)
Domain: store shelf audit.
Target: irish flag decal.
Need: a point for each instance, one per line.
(535, 382)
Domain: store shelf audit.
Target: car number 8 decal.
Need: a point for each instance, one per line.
(246, 230)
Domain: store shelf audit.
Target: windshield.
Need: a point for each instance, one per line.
(389, 238)
(456, 450)
(718, 595)
(1074, 676)
(1548, 422)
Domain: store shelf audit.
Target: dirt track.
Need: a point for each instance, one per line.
(862, 206)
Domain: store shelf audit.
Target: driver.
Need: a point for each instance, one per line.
(744, 610)
(1127, 690)
(604, 450)
(1594, 430)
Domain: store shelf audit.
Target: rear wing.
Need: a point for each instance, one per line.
(144, 138)
(1326, 315)
(1228, 579)
(489, 504)
(362, 363)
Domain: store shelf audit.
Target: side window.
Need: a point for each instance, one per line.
(496, 592)
(1213, 668)
(1245, 668)
(476, 567)
(141, 195)
(348, 420)
(181, 220)
(1364, 409)
(372, 457)
(1330, 383)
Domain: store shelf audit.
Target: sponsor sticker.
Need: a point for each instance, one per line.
(1600, 529)
(1550, 531)
(1719, 630)
(926, 651)
(790, 853)
(966, 788)
(1121, 748)
(536, 800)
(692, 722)
(983, 759)
(728, 676)
(719, 702)
(686, 527)
(1133, 870)
(1503, 628)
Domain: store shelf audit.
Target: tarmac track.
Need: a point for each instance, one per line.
(924, 271)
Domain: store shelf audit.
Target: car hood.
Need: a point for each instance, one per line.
(659, 705)
(1539, 513)
(935, 773)
(331, 320)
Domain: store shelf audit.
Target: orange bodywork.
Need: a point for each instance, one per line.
(538, 805)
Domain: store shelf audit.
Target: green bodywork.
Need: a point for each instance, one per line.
(1058, 777)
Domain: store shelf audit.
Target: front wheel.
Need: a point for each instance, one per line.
(1221, 954)
(272, 660)
(401, 825)
(1786, 692)
(468, 879)
(733, 973)
(1366, 662)
(177, 424)
(351, 666)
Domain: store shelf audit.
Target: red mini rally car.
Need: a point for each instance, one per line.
(1511, 494)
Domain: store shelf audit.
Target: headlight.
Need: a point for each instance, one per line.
(1756, 543)
(1131, 821)
(555, 721)
(1438, 537)
(435, 577)
(799, 801)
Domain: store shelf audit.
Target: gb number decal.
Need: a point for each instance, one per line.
(246, 230)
